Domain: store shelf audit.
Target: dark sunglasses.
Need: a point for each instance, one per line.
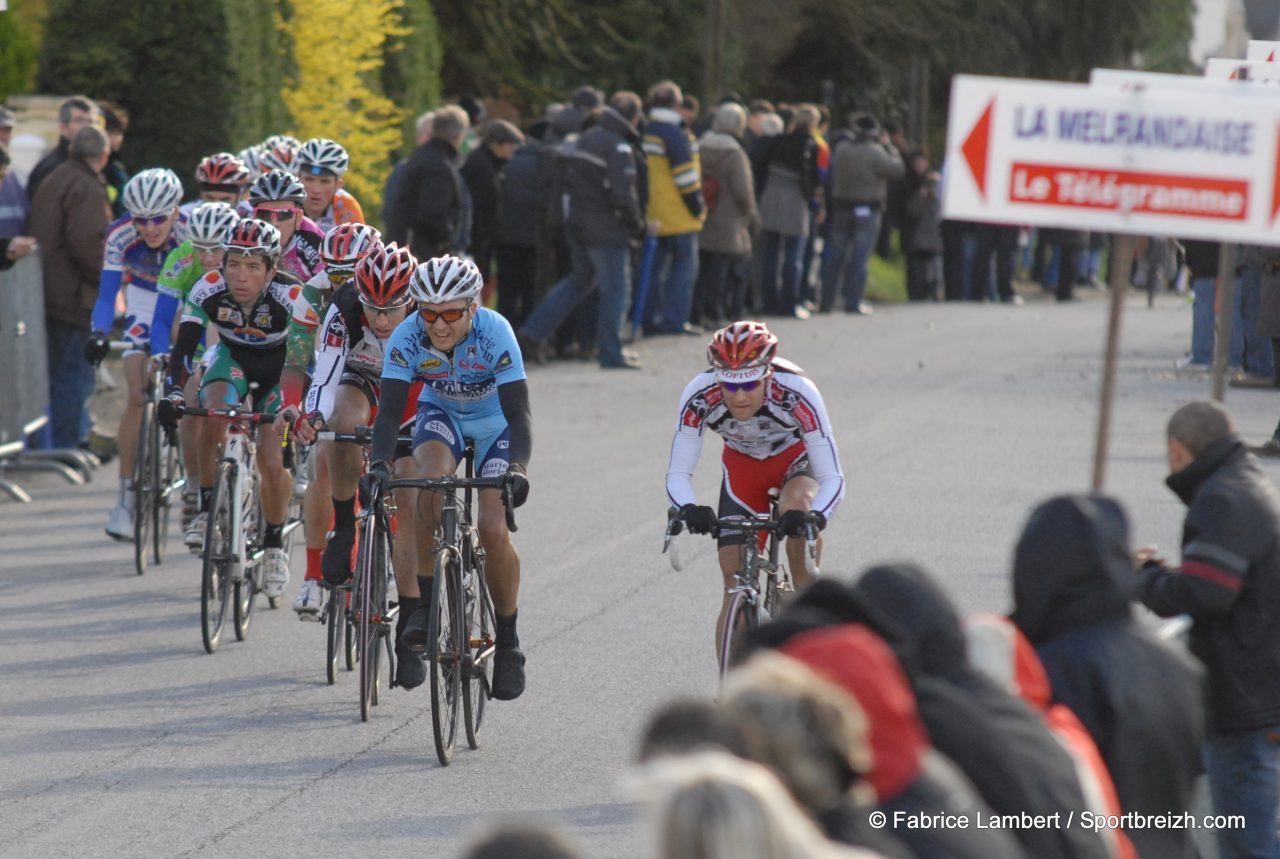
(150, 222)
(275, 214)
(452, 315)
(734, 387)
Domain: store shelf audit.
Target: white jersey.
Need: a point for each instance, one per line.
(792, 413)
(347, 346)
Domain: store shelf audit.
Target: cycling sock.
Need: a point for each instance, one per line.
(313, 564)
(273, 536)
(344, 514)
(124, 487)
(408, 605)
(424, 590)
(507, 630)
(206, 493)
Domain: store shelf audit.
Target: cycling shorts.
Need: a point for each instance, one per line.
(490, 434)
(139, 310)
(747, 481)
(372, 390)
(262, 369)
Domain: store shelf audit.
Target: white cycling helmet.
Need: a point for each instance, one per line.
(208, 224)
(152, 192)
(446, 278)
(279, 152)
(250, 237)
(252, 158)
(321, 157)
(276, 185)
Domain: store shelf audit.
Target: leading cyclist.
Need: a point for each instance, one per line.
(776, 436)
(473, 388)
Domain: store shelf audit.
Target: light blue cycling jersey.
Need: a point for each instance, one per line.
(464, 384)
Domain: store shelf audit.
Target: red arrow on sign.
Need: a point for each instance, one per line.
(976, 147)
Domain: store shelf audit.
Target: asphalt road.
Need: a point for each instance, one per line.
(120, 736)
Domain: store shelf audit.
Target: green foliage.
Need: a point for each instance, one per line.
(17, 57)
(86, 49)
(259, 57)
(411, 64)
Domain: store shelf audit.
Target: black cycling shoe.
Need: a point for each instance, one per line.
(411, 671)
(416, 630)
(508, 673)
(335, 563)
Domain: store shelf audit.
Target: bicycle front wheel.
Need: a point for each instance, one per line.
(144, 486)
(171, 473)
(335, 620)
(215, 587)
(249, 585)
(444, 652)
(738, 620)
(478, 676)
(367, 614)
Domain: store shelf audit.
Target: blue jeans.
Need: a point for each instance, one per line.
(70, 382)
(782, 299)
(609, 267)
(675, 268)
(1205, 290)
(1244, 778)
(851, 240)
(1258, 358)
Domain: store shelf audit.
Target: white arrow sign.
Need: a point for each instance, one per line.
(1197, 165)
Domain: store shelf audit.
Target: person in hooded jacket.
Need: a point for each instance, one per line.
(724, 247)
(1004, 748)
(1229, 583)
(1140, 698)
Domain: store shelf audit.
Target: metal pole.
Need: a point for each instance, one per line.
(1121, 265)
(1224, 318)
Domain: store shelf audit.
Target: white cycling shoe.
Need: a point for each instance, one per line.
(310, 600)
(275, 572)
(120, 523)
(193, 536)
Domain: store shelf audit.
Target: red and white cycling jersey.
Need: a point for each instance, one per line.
(347, 346)
(792, 413)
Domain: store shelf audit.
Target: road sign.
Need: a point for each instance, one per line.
(1255, 71)
(1197, 165)
(1266, 52)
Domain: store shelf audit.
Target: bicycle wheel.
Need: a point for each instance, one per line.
(144, 486)
(335, 620)
(247, 588)
(738, 620)
(215, 587)
(444, 649)
(172, 475)
(477, 679)
(366, 623)
(349, 632)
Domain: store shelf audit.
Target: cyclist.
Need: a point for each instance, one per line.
(135, 251)
(473, 387)
(277, 197)
(221, 178)
(776, 436)
(344, 394)
(342, 247)
(321, 165)
(279, 152)
(250, 304)
(201, 252)
(252, 158)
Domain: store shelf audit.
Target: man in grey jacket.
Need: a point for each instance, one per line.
(604, 216)
(862, 160)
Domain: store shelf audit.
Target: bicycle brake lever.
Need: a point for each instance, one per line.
(506, 506)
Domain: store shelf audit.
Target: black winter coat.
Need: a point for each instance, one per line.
(518, 204)
(1229, 583)
(1140, 698)
(427, 201)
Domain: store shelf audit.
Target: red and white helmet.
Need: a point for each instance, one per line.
(742, 351)
(344, 244)
(279, 152)
(383, 275)
(222, 168)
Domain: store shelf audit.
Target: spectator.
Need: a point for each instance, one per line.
(13, 246)
(813, 736)
(604, 216)
(675, 212)
(1258, 361)
(1141, 699)
(422, 133)
(482, 172)
(69, 217)
(1229, 583)
(896, 195)
(73, 114)
(14, 203)
(724, 255)
(116, 120)
(1071, 245)
(690, 110)
(791, 180)
(523, 841)
(715, 806)
(1202, 261)
(862, 160)
(685, 726)
(1000, 241)
(425, 210)
(996, 740)
(519, 211)
(922, 236)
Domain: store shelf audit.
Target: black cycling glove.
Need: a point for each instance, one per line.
(700, 519)
(374, 482)
(519, 485)
(793, 522)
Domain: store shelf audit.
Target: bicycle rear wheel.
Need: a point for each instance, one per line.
(215, 579)
(349, 632)
(367, 619)
(335, 618)
(145, 470)
(444, 651)
(249, 585)
(478, 674)
(171, 473)
(738, 620)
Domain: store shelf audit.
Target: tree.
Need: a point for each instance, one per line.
(411, 64)
(259, 60)
(335, 91)
(17, 57)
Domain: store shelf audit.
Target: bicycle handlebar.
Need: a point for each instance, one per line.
(231, 414)
(675, 525)
(449, 483)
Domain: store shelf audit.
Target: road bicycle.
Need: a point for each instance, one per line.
(760, 579)
(232, 556)
(158, 476)
(460, 637)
